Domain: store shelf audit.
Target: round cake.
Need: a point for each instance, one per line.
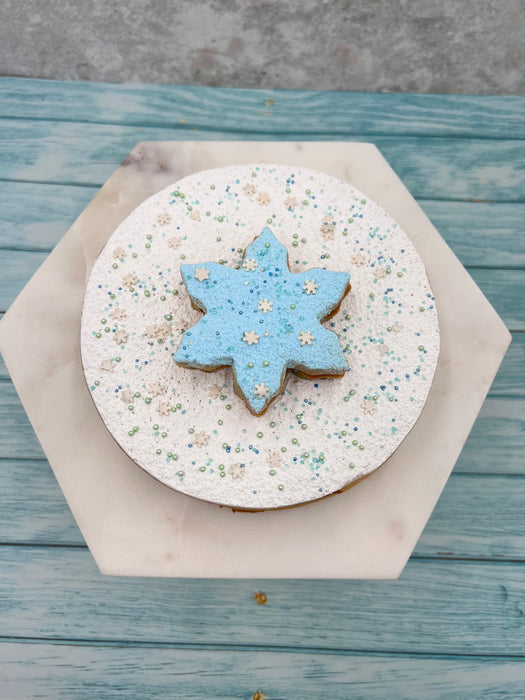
(259, 336)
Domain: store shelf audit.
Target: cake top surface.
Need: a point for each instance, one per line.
(190, 429)
(263, 319)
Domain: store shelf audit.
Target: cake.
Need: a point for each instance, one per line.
(254, 437)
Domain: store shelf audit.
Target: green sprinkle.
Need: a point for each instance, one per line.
(272, 472)
(259, 435)
(280, 487)
(266, 363)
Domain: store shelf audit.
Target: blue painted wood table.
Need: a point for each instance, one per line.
(453, 626)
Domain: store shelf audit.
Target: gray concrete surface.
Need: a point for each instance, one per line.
(447, 46)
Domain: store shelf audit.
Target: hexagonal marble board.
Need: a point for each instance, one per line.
(134, 525)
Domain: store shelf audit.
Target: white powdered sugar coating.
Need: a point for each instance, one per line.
(188, 428)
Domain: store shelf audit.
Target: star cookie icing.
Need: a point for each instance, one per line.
(262, 320)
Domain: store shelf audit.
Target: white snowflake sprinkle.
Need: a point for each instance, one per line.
(290, 203)
(156, 388)
(383, 349)
(118, 314)
(151, 332)
(369, 406)
(174, 242)
(201, 439)
(250, 265)
(214, 391)
(202, 273)
(251, 337)
(305, 337)
(194, 214)
(163, 408)
(328, 230)
(260, 391)
(236, 470)
(119, 253)
(310, 287)
(273, 458)
(265, 305)
(249, 189)
(358, 259)
(379, 273)
(107, 365)
(127, 396)
(120, 337)
(129, 280)
(397, 327)
(162, 330)
(163, 218)
(263, 198)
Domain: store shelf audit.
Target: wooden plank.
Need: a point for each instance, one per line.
(17, 438)
(57, 671)
(510, 379)
(437, 607)
(35, 512)
(34, 509)
(496, 444)
(504, 289)
(479, 234)
(477, 517)
(35, 217)
(431, 167)
(264, 111)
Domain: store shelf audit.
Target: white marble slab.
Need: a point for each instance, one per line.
(136, 526)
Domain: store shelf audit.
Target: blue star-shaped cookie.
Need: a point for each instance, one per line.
(262, 320)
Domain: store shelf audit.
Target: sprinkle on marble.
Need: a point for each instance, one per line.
(251, 337)
(250, 264)
(107, 365)
(305, 337)
(202, 273)
(261, 390)
(310, 287)
(163, 218)
(265, 306)
(129, 279)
